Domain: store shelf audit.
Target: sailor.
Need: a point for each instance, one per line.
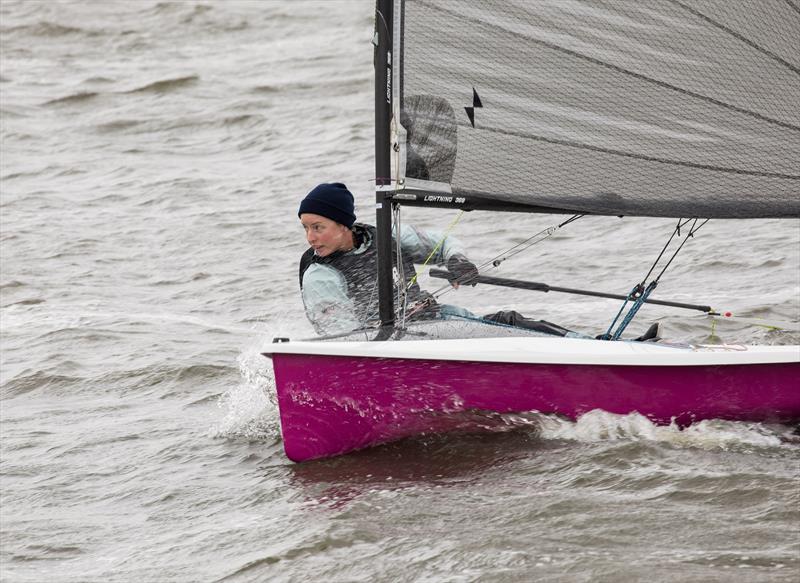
(338, 272)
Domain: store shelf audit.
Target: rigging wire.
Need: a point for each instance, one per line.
(369, 315)
(639, 294)
(399, 272)
(694, 228)
(512, 251)
(520, 247)
(400, 287)
(677, 232)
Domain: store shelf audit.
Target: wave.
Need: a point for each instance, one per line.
(167, 85)
(15, 175)
(98, 79)
(48, 30)
(30, 381)
(200, 275)
(168, 7)
(202, 15)
(80, 97)
(170, 380)
(200, 372)
(147, 126)
(29, 302)
(249, 120)
(118, 125)
(281, 88)
(10, 113)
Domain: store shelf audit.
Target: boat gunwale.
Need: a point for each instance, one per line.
(568, 351)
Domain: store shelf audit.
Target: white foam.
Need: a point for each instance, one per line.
(250, 409)
(599, 425)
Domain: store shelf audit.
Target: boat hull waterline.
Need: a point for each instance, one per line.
(331, 404)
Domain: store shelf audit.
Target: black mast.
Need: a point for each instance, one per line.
(383, 167)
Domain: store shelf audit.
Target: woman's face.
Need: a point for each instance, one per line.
(324, 235)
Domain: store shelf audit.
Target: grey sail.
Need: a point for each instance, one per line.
(641, 108)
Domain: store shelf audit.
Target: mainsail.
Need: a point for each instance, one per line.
(647, 108)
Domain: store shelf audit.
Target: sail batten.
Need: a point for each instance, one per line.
(671, 108)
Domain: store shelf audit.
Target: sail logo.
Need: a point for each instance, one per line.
(389, 77)
(476, 102)
(447, 199)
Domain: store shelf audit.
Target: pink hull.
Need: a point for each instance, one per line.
(331, 405)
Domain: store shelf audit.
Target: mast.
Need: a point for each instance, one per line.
(383, 168)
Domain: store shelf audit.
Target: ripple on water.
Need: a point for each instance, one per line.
(167, 85)
(75, 98)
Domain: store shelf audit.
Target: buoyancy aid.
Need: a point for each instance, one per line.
(360, 271)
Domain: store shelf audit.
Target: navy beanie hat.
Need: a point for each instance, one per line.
(331, 200)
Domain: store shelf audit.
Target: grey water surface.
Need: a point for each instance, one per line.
(153, 156)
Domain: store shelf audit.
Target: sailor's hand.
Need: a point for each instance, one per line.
(464, 270)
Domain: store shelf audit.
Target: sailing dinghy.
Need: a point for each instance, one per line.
(682, 109)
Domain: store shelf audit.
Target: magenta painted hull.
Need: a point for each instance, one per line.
(331, 405)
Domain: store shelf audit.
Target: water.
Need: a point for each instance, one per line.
(153, 155)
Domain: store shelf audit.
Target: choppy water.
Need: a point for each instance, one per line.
(153, 155)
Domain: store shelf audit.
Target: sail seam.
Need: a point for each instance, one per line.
(738, 36)
(617, 68)
(645, 157)
(793, 5)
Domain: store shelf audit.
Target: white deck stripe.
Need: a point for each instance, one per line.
(549, 351)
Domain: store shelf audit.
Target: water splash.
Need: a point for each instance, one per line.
(600, 425)
(250, 410)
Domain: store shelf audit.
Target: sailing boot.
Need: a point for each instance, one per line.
(653, 334)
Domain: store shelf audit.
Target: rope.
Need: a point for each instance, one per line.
(631, 295)
(750, 321)
(634, 310)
